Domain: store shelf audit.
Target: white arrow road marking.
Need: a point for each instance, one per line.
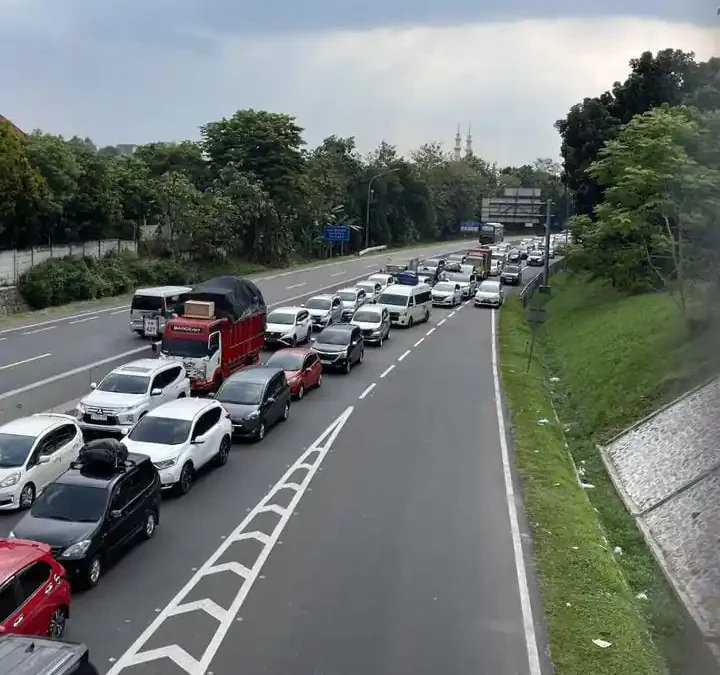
(310, 462)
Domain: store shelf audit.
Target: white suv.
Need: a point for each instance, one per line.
(34, 451)
(288, 326)
(181, 437)
(125, 394)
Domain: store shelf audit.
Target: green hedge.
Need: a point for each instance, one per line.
(59, 281)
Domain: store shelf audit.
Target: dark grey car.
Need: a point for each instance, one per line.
(256, 399)
(340, 347)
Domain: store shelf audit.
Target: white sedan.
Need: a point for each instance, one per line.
(182, 437)
(489, 294)
(446, 294)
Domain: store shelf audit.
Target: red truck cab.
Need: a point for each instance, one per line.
(220, 328)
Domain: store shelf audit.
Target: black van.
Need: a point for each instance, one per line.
(25, 655)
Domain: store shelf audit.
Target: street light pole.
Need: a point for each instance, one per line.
(369, 196)
(546, 270)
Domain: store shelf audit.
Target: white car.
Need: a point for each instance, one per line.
(352, 299)
(34, 451)
(383, 279)
(288, 326)
(446, 294)
(489, 294)
(181, 437)
(125, 394)
(324, 310)
(495, 268)
(372, 289)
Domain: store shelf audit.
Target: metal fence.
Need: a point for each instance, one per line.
(14, 263)
(528, 291)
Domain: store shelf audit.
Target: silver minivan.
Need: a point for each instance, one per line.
(152, 307)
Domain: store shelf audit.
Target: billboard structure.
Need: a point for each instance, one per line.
(518, 208)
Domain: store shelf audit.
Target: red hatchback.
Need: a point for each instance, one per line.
(302, 367)
(34, 590)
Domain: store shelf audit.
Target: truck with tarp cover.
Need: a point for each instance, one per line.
(218, 328)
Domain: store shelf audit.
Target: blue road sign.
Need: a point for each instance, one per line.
(469, 226)
(336, 233)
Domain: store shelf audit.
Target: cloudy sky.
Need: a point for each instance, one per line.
(406, 71)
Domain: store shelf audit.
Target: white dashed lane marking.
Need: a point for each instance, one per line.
(90, 318)
(419, 342)
(20, 363)
(367, 391)
(387, 370)
(402, 356)
(38, 330)
(304, 283)
(440, 323)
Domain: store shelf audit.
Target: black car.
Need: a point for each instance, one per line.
(102, 503)
(256, 399)
(340, 347)
(26, 655)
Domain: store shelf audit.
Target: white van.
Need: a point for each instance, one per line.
(407, 304)
(152, 307)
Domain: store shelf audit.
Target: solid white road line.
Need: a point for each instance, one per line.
(402, 356)
(304, 283)
(387, 370)
(308, 463)
(419, 342)
(90, 318)
(39, 330)
(367, 391)
(522, 576)
(20, 363)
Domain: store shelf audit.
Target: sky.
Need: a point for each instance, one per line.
(403, 71)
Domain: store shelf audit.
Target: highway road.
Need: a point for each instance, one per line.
(55, 359)
(372, 533)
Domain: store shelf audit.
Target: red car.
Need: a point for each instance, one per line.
(34, 590)
(302, 367)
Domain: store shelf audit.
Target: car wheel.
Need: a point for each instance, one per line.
(286, 412)
(319, 382)
(186, 479)
(410, 322)
(293, 342)
(347, 367)
(260, 432)
(150, 524)
(94, 571)
(224, 452)
(183, 395)
(301, 392)
(58, 621)
(27, 496)
(362, 356)
(380, 341)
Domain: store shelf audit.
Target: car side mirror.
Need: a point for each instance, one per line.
(156, 392)
(115, 514)
(43, 459)
(200, 440)
(313, 340)
(271, 400)
(93, 385)
(211, 394)
(302, 305)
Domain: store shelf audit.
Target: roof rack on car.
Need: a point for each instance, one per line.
(104, 455)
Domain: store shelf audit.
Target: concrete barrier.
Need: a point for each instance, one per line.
(372, 249)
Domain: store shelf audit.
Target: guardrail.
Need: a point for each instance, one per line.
(372, 249)
(528, 291)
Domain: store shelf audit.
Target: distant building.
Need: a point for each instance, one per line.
(17, 130)
(458, 145)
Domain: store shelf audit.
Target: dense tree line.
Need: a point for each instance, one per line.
(642, 163)
(249, 189)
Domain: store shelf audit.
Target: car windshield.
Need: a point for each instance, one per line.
(445, 288)
(120, 383)
(489, 287)
(14, 450)
(162, 430)
(74, 503)
(512, 269)
(184, 347)
(240, 392)
(465, 278)
(281, 318)
(147, 303)
(348, 296)
(286, 360)
(334, 337)
(367, 316)
(318, 303)
(393, 299)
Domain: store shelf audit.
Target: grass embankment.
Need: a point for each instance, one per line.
(605, 361)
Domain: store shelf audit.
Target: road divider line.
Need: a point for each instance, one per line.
(419, 342)
(451, 314)
(61, 319)
(431, 331)
(304, 283)
(531, 643)
(89, 318)
(38, 330)
(1, 339)
(118, 311)
(367, 391)
(387, 370)
(338, 274)
(440, 323)
(20, 363)
(402, 356)
(309, 463)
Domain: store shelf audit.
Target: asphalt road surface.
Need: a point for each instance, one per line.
(369, 534)
(55, 359)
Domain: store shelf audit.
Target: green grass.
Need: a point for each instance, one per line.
(617, 358)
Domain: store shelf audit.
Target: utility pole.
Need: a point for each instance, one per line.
(369, 197)
(545, 288)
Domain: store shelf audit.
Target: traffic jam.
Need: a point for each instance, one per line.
(226, 369)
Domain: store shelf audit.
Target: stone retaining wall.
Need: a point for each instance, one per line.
(11, 302)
